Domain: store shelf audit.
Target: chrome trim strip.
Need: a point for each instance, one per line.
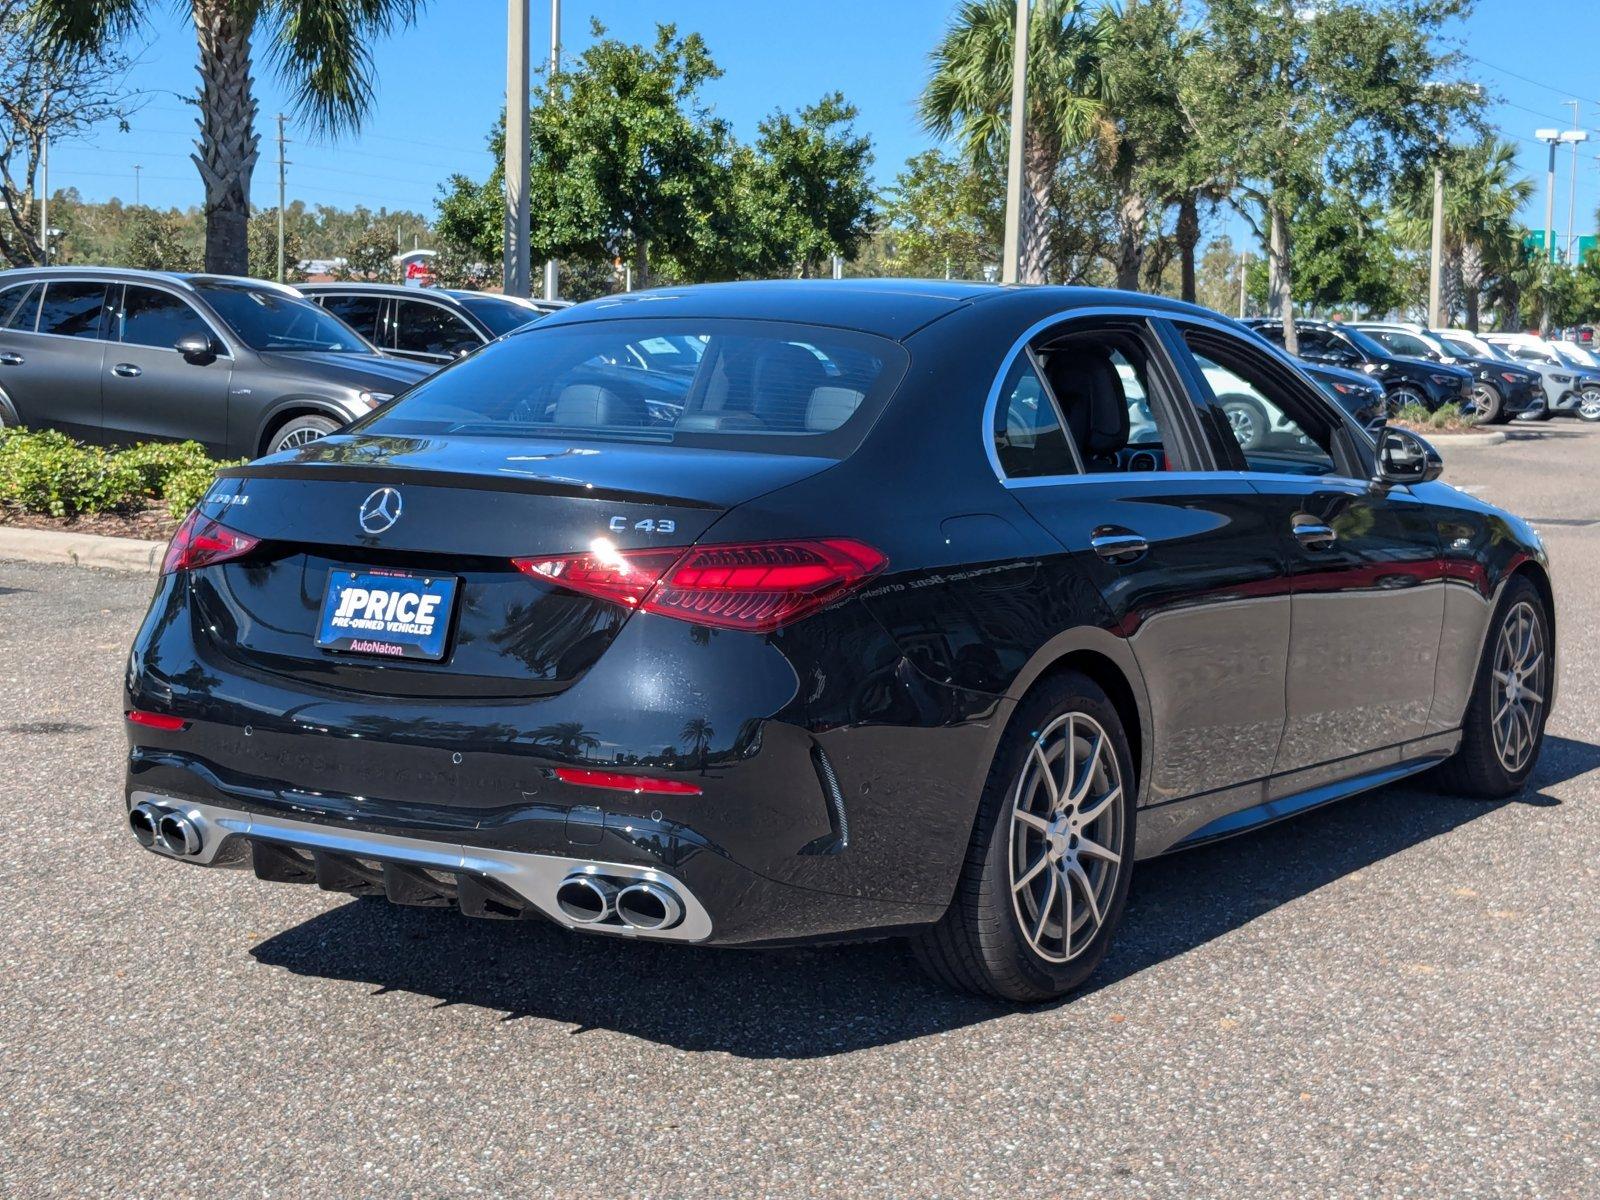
(534, 877)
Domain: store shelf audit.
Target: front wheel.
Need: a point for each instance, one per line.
(1487, 404)
(1046, 873)
(301, 431)
(1503, 728)
(1404, 396)
(1589, 405)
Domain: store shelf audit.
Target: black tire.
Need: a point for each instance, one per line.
(299, 432)
(1478, 768)
(1248, 419)
(1488, 404)
(980, 946)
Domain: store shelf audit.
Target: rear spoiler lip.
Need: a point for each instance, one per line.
(529, 485)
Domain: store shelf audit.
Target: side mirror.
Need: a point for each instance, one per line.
(196, 348)
(1403, 457)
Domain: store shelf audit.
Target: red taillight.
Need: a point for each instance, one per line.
(618, 782)
(156, 720)
(754, 586)
(201, 541)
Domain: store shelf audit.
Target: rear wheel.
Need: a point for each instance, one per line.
(301, 431)
(1046, 874)
(1503, 729)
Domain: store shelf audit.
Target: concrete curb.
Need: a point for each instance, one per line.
(81, 549)
(1465, 441)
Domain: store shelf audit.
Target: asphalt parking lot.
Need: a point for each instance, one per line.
(1398, 995)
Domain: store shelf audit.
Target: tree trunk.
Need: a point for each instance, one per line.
(1039, 160)
(228, 142)
(1132, 215)
(1471, 283)
(1280, 289)
(1188, 236)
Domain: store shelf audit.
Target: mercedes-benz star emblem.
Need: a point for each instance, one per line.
(380, 510)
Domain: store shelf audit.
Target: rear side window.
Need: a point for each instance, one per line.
(430, 329)
(73, 309)
(19, 306)
(358, 312)
(151, 317)
(750, 384)
(1029, 440)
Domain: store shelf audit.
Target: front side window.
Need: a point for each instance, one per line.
(19, 306)
(264, 319)
(151, 317)
(431, 329)
(1029, 439)
(1277, 430)
(73, 309)
(756, 384)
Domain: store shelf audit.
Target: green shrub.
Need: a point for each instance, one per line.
(45, 471)
(1450, 414)
(1412, 414)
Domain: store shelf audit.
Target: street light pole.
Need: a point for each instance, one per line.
(1436, 252)
(1573, 135)
(44, 198)
(1019, 105)
(516, 264)
(282, 179)
(1550, 137)
(551, 269)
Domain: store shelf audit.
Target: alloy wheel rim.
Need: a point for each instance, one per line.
(1589, 406)
(1066, 837)
(300, 437)
(1243, 423)
(1518, 686)
(1485, 401)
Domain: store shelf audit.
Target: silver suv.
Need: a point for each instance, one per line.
(242, 366)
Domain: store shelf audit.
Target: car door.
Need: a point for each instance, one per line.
(1192, 572)
(19, 313)
(432, 333)
(1365, 568)
(151, 392)
(50, 357)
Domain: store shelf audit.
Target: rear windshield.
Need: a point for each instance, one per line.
(758, 385)
(501, 316)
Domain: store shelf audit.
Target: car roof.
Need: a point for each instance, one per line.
(892, 308)
(182, 279)
(448, 295)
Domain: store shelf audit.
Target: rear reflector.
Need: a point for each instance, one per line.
(754, 586)
(156, 720)
(201, 541)
(618, 782)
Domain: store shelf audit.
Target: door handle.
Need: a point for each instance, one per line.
(126, 370)
(1313, 534)
(1119, 546)
(8, 359)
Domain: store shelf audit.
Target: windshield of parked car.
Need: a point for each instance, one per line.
(1464, 348)
(1364, 343)
(498, 314)
(268, 320)
(729, 383)
(1577, 356)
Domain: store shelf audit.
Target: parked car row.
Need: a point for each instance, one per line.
(243, 366)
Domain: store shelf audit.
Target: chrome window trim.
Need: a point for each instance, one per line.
(1069, 316)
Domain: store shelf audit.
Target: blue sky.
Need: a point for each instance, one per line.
(440, 88)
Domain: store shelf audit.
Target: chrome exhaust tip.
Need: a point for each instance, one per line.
(177, 835)
(648, 906)
(585, 899)
(142, 820)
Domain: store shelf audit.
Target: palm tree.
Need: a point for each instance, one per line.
(697, 731)
(322, 50)
(568, 737)
(1482, 196)
(969, 97)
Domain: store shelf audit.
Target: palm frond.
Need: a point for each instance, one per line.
(323, 50)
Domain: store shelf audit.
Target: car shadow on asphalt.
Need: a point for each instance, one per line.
(813, 1002)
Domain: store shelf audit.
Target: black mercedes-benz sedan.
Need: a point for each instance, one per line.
(929, 611)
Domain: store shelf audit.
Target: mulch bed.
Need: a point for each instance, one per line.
(1464, 428)
(153, 524)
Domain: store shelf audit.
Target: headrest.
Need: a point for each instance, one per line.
(831, 407)
(592, 405)
(1089, 390)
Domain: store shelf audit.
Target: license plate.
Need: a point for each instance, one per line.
(387, 613)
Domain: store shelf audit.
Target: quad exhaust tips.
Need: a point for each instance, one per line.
(163, 829)
(589, 899)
